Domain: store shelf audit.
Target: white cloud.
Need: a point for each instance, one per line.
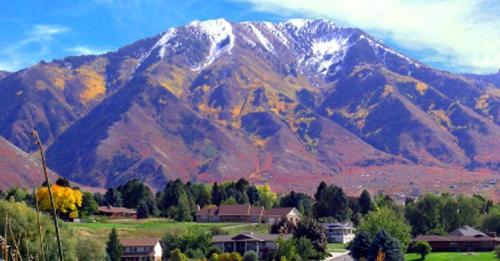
(44, 33)
(463, 35)
(84, 50)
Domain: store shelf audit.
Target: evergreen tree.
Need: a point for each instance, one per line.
(313, 231)
(365, 202)
(217, 197)
(113, 197)
(359, 246)
(63, 182)
(183, 212)
(253, 195)
(142, 210)
(387, 245)
(114, 249)
(89, 205)
(133, 192)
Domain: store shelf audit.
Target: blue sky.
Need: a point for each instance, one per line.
(456, 35)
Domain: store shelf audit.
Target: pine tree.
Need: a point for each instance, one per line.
(386, 245)
(114, 249)
(359, 246)
(365, 202)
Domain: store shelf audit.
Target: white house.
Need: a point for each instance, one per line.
(339, 232)
(141, 249)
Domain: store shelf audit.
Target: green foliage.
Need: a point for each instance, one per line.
(113, 197)
(388, 220)
(22, 222)
(365, 202)
(439, 214)
(359, 247)
(491, 222)
(300, 201)
(268, 198)
(305, 248)
(89, 205)
(89, 250)
(423, 248)
(175, 202)
(195, 240)
(314, 231)
(133, 192)
(331, 201)
(114, 249)
(250, 256)
(387, 245)
(286, 249)
(177, 255)
(497, 251)
(282, 227)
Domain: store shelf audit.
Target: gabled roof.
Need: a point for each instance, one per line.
(231, 210)
(434, 238)
(279, 211)
(246, 236)
(347, 225)
(150, 242)
(467, 231)
(110, 209)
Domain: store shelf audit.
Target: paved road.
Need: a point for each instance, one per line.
(339, 256)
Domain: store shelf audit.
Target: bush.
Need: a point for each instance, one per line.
(497, 251)
(250, 256)
(216, 231)
(423, 248)
(177, 255)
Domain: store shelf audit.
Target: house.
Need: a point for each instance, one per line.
(339, 232)
(461, 239)
(148, 249)
(117, 212)
(262, 244)
(246, 213)
(276, 215)
(230, 213)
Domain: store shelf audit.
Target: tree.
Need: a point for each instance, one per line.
(360, 246)
(315, 232)
(113, 197)
(217, 194)
(424, 214)
(142, 210)
(300, 201)
(267, 197)
(133, 192)
(388, 220)
(331, 202)
(63, 182)
(114, 249)
(89, 250)
(253, 195)
(66, 200)
(177, 255)
(387, 246)
(497, 251)
(491, 222)
(250, 256)
(305, 248)
(423, 248)
(193, 239)
(365, 202)
(89, 204)
(282, 227)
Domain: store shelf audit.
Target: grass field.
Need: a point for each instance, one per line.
(336, 247)
(144, 228)
(455, 256)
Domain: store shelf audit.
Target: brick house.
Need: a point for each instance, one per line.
(117, 212)
(262, 244)
(462, 239)
(246, 213)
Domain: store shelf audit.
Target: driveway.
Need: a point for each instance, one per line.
(339, 256)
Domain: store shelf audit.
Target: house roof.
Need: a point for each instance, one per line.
(248, 236)
(139, 242)
(231, 210)
(278, 211)
(467, 231)
(434, 238)
(110, 209)
(346, 225)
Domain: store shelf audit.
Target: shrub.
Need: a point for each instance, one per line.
(497, 251)
(423, 248)
(250, 256)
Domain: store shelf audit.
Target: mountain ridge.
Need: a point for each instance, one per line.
(288, 103)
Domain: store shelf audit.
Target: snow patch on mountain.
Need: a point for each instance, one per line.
(276, 32)
(262, 39)
(220, 34)
(378, 46)
(325, 53)
(163, 42)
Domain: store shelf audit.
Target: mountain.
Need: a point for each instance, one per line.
(289, 103)
(18, 168)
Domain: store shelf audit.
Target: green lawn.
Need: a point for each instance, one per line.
(336, 247)
(152, 228)
(455, 256)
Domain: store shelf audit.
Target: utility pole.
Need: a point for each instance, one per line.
(35, 136)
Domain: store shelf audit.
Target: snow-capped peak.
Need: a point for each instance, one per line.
(220, 34)
(262, 39)
(162, 43)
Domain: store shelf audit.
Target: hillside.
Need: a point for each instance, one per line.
(288, 103)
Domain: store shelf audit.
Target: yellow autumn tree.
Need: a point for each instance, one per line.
(66, 199)
(267, 197)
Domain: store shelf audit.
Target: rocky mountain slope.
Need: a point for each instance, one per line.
(17, 168)
(288, 103)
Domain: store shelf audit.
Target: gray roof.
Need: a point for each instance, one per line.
(346, 225)
(466, 231)
(248, 236)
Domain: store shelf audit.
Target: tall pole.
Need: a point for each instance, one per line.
(39, 225)
(54, 214)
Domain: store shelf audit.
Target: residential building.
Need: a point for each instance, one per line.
(262, 244)
(117, 212)
(276, 215)
(148, 249)
(339, 232)
(462, 239)
(246, 213)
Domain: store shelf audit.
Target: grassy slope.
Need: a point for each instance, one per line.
(152, 228)
(455, 256)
